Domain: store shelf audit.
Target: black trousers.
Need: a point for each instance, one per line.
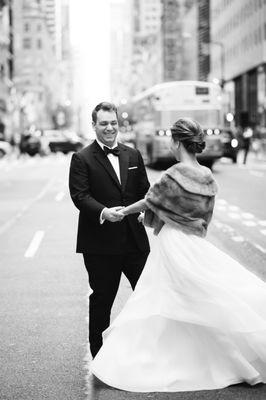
(104, 277)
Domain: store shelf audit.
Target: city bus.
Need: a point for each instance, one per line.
(157, 108)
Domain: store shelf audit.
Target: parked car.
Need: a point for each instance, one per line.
(5, 148)
(64, 141)
(30, 143)
(230, 144)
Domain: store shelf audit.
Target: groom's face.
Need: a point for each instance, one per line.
(106, 127)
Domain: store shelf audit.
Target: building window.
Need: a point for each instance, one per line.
(39, 28)
(2, 71)
(26, 27)
(26, 43)
(39, 43)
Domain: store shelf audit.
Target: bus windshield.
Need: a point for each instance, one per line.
(206, 118)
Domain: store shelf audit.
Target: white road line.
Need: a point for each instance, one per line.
(221, 201)
(238, 238)
(233, 208)
(262, 223)
(14, 219)
(249, 223)
(59, 196)
(247, 215)
(257, 174)
(217, 224)
(260, 248)
(220, 208)
(34, 244)
(263, 231)
(234, 215)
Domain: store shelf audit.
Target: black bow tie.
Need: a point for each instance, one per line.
(114, 151)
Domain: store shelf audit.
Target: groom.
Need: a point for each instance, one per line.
(104, 177)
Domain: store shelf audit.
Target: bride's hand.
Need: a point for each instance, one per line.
(141, 218)
(121, 213)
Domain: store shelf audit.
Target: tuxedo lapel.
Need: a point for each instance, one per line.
(104, 161)
(123, 164)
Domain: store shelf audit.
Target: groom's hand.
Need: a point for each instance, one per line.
(112, 214)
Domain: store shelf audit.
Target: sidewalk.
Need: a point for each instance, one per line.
(254, 158)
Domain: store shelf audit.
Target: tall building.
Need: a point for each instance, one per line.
(172, 40)
(5, 70)
(64, 57)
(147, 47)
(190, 33)
(204, 39)
(239, 56)
(51, 14)
(120, 49)
(196, 40)
(34, 62)
(41, 74)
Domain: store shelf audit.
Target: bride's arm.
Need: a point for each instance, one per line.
(135, 208)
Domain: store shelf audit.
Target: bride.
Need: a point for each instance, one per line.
(197, 318)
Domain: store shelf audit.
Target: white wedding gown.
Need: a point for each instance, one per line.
(196, 320)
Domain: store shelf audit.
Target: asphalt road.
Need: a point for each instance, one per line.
(44, 290)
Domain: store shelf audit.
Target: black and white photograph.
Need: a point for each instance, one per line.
(132, 199)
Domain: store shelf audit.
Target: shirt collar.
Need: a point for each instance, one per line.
(102, 145)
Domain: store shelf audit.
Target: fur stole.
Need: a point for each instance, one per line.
(183, 197)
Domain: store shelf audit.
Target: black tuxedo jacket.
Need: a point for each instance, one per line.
(94, 185)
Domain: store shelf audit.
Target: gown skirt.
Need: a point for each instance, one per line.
(196, 321)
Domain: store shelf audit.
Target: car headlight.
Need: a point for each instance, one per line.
(234, 143)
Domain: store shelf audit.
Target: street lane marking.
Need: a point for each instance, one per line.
(19, 214)
(263, 231)
(220, 208)
(234, 215)
(233, 208)
(34, 244)
(238, 238)
(221, 201)
(247, 215)
(257, 174)
(249, 223)
(260, 248)
(59, 196)
(262, 223)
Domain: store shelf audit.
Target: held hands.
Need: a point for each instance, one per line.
(113, 214)
(116, 214)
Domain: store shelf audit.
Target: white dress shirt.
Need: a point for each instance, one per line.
(114, 160)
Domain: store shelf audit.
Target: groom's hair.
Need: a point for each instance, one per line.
(105, 106)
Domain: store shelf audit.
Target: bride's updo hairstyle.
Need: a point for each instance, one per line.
(190, 134)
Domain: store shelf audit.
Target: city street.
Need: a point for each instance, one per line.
(44, 289)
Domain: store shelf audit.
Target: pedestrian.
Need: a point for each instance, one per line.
(105, 176)
(197, 318)
(247, 136)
